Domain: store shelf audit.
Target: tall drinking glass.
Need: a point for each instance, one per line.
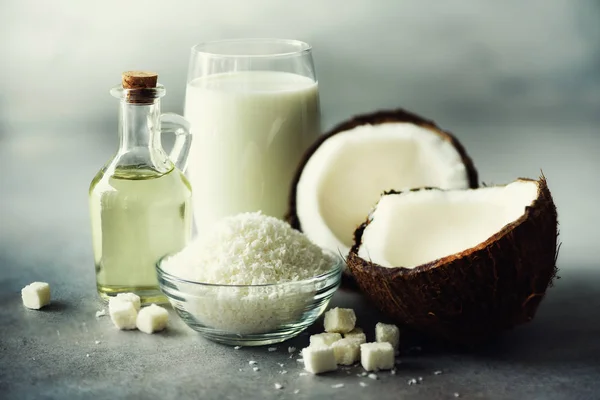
(253, 105)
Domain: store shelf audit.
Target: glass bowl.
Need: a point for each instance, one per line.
(251, 315)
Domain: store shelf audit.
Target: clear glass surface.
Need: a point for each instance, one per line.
(253, 105)
(251, 315)
(140, 201)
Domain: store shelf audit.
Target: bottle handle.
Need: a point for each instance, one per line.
(180, 127)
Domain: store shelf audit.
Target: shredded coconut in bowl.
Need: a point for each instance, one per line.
(250, 310)
(249, 249)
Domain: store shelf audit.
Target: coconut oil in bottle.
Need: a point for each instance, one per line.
(140, 201)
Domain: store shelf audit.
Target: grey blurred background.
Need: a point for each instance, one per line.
(518, 82)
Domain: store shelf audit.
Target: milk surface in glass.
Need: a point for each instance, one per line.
(250, 130)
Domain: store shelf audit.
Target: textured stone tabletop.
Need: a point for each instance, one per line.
(66, 352)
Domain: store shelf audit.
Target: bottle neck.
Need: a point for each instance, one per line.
(139, 126)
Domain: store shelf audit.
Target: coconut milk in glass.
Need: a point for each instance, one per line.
(253, 105)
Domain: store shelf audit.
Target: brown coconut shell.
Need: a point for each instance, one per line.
(378, 117)
(469, 297)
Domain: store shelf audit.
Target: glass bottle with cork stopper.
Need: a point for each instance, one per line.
(140, 201)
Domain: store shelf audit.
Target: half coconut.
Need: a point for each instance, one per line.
(460, 265)
(345, 172)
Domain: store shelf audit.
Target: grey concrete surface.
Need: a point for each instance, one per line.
(44, 355)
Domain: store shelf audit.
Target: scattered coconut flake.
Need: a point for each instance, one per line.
(97, 342)
(283, 372)
(280, 364)
(33, 358)
(100, 313)
(300, 360)
(303, 373)
(362, 384)
(373, 376)
(252, 362)
(348, 372)
(363, 373)
(437, 372)
(256, 369)
(456, 395)
(412, 381)
(420, 379)
(278, 386)
(291, 350)
(272, 349)
(58, 332)
(393, 372)
(415, 349)
(87, 355)
(296, 391)
(237, 347)
(240, 370)
(337, 386)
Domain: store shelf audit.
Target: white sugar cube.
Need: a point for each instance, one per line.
(122, 313)
(131, 297)
(356, 334)
(319, 359)
(36, 295)
(376, 356)
(152, 319)
(324, 339)
(387, 333)
(340, 320)
(346, 351)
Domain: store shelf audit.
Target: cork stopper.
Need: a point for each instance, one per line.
(139, 79)
(140, 84)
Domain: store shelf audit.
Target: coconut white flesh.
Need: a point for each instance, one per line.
(414, 228)
(347, 174)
